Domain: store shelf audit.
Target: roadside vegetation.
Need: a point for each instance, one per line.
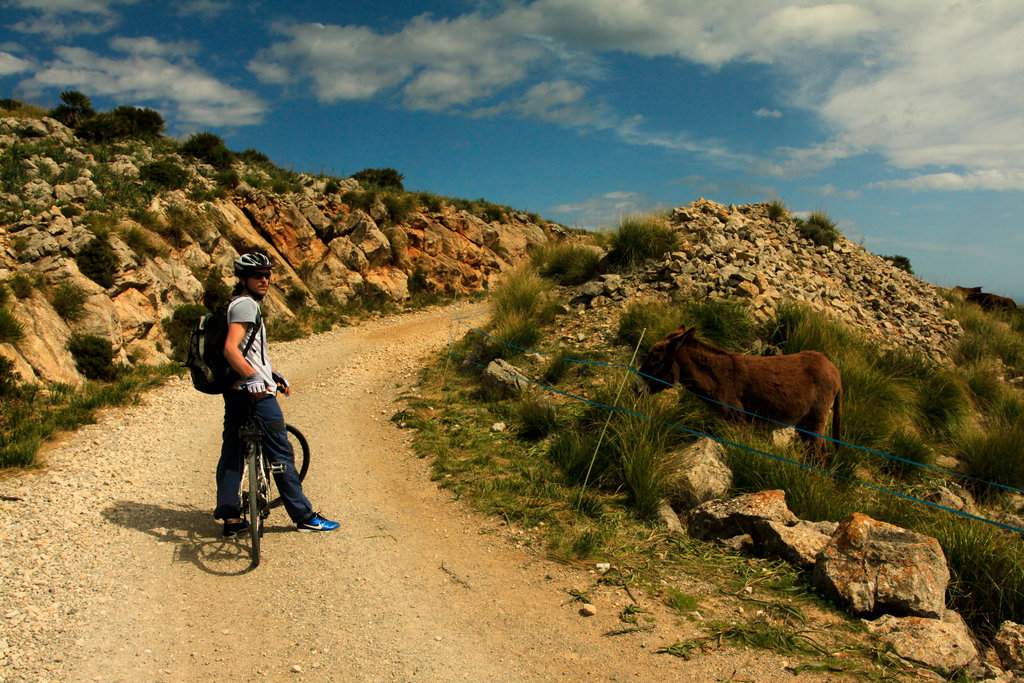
(587, 482)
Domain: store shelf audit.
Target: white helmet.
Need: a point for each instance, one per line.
(247, 263)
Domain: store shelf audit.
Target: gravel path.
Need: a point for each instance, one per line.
(112, 568)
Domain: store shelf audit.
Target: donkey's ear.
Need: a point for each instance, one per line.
(688, 336)
(680, 337)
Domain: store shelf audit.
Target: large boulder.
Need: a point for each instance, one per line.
(877, 567)
(720, 519)
(943, 644)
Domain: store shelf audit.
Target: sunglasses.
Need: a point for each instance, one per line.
(259, 276)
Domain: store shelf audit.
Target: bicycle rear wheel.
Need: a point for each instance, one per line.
(255, 518)
(300, 450)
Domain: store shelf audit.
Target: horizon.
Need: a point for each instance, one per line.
(901, 122)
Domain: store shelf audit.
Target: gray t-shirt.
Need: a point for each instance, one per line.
(246, 310)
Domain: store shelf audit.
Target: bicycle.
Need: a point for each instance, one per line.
(255, 486)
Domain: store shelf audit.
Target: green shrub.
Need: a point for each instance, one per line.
(574, 454)
(69, 300)
(22, 285)
(254, 158)
(728, 324)
(74, 108)
(139, 240)
(94, 356)
(332, 187)
(537, 418)
(567, 263)
(383, 178)
(820, 229)
(643, 461)
(362, 201)
(399, 206)
(516, 331)
(11, 329)
(522, 291)
(431, 202)
(178, 327)
(296, 298)
(227, 178)
(639, 238)
(8, 380)
(208, 147)
(216, 292)
(181, 224)
(120, 124)
(901, 262)
(777, 209)
(653, 319)
(165, 174)
(98, 262)
(418, 282)
(993, 455)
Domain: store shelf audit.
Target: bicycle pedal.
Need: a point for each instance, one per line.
(277, 467)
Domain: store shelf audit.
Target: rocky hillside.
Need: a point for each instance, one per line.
(92, 241)
(739, 252)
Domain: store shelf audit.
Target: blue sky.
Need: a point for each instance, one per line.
(903, 120)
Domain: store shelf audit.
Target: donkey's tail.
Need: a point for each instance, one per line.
(837, 419)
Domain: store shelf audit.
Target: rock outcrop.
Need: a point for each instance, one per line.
(321, 247)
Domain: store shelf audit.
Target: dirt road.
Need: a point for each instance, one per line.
(111, 566)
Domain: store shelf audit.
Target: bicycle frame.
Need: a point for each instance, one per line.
(254, 486)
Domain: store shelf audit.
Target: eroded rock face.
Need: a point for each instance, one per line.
(703, 474)
(876, 567)
(799, 544)
(319, 245)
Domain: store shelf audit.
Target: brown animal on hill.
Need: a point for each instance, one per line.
(797, 389)
(988, 301)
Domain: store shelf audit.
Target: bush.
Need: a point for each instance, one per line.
(73, 109)
(216, 292)
(121, 124)
(69, 301)
(383, 178)
(820, 229)
(227, 178)
(11, 329)
(777, 209)
(140, 241)
(8, 380)
(522, 292)
(296, 298)
(254, 158)
(537, 418)
(94, 356)
(993, 455)
(165, 174)
(566, 263)
(208, 147)
(639, 238)
(332, 187)
(22, 285)
(399, 206)
(901, 262)
(98, 262)
(728, 324)
(178, 327)
(653, 319)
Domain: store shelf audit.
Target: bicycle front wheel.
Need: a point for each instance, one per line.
(300, 451)
(255, 518)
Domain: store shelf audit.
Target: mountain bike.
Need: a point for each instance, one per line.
(255, 489)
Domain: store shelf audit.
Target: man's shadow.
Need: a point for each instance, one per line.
(196, 535)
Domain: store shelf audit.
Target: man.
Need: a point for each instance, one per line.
(259, 386)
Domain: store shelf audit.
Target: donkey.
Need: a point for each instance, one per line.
(797, 389)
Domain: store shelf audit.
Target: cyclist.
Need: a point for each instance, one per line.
(260, 384)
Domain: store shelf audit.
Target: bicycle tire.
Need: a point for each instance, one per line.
(255, 518)
(300, 449)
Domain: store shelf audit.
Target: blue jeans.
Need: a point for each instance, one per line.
(276, 449)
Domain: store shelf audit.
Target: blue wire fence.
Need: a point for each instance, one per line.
(458, 320)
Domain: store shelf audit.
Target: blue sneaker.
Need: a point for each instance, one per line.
(317, 523)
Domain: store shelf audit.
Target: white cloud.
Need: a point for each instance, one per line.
(62, 19)
(764, 113)
(949, 181)
(208, 9)
(603, 211)
(9, 64)
(920, 82)
(151, 73)
(830, 190)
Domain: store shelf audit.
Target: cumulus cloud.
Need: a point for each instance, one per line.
(764, 113)
(922, 82)
(9, 64)
(950, 181)
(62, 19)
(150, 73)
